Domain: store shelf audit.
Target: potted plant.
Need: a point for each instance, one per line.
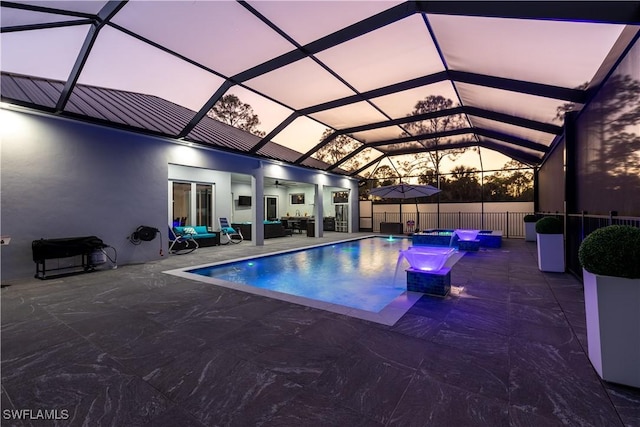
(610, 259)
(550, 239)
(530, 227)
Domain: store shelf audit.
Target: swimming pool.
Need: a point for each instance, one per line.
(354, 277)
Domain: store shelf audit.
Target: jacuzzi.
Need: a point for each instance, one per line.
(444, 237)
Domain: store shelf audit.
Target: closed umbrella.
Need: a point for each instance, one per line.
(405, 191)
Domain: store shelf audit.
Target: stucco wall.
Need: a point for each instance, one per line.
(64, 178)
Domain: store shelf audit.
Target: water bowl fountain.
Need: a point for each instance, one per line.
(428, 273)
(426, 258)
(468, 239)
(466, 234)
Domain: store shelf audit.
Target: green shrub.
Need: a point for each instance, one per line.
(549, 225)
(530, 218)
(612, 251)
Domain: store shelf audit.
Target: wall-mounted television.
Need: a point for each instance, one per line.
(244, 200)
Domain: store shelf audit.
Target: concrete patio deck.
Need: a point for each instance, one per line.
(135, 346)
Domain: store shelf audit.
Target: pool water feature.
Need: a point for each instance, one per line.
(352, 277)
(426, 258)
(466, 234)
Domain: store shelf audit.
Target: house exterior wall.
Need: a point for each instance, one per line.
(65, 178)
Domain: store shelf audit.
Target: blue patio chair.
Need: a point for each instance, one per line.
(181, 244)
(229, 233)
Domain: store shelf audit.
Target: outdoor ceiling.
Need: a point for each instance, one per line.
(357, 68)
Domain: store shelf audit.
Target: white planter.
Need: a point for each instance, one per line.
(529, 231)
(551, 252)
(612, 308)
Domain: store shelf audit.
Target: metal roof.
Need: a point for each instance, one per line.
(140, 112)
(356, 69)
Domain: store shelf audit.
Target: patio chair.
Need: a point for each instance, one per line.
(181, 244)
(301, 225)
(229, 233)
(288, 229)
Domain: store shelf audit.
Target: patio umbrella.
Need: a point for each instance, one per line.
(405, 191)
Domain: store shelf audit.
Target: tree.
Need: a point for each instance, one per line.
(464, 185)
(417, 164)
(434, 154)
(338, 148)
(428, 177)
(513, 182)
(230, 110)
(384, 175)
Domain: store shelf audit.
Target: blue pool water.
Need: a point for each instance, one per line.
(357, 274)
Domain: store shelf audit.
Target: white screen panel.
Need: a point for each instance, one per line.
(91, 7)
(300, 84)
(403, 103)
(507, 145)
(306, 21)
(382, 134)
(350, 115)
(49, 53)
(301, 135)
(558, 53)
(512, 130)
(514, 103)
(144, 69)
(12, 17)
(234, 38)
(395, 53)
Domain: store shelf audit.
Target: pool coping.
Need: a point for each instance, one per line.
(388, 316)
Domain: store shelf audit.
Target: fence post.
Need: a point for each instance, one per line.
(611, 215)
(507, 224)
(459, 219)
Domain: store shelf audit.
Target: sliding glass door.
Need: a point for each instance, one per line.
(192, 203)
(181, 196)
(204, 204)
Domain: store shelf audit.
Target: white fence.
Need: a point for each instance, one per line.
(468, 215)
